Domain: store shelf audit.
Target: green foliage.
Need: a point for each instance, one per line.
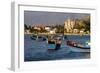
(25, 27)
(83, 23)
(60, 28)
(87, 23)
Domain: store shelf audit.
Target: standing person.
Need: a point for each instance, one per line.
(58, 44)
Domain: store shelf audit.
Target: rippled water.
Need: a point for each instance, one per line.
(38, 50)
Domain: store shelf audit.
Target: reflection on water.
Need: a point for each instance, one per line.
(38, 50)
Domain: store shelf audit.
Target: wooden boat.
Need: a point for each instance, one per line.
(51, 47)
(38, 38)
(77, 45)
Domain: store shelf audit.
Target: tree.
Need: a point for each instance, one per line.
(86, 21)
(60, 28)
(79, 24)
(25, 27)
(83, 23)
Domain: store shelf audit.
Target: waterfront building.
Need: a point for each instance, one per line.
(69, 25)
(47, 28)
(75, 31)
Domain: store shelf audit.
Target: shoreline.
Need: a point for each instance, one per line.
(55, 34)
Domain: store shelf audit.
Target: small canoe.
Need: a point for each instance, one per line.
(51, 47)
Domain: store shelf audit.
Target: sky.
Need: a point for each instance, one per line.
(49, 18)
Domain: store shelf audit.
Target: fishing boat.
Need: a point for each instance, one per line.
(54, 44)
(78, 45)
(51, 47)
(38, 38)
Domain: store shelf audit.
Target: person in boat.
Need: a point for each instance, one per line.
(51, 41)
(51, 44)
(58, 44)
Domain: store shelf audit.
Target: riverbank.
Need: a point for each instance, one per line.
(56, 34)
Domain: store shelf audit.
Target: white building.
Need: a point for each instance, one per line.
(52, 32)
(75, 31)
(47, 28)
(38, 28)
(27, 31)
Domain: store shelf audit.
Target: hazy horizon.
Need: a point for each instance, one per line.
(49, 18)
